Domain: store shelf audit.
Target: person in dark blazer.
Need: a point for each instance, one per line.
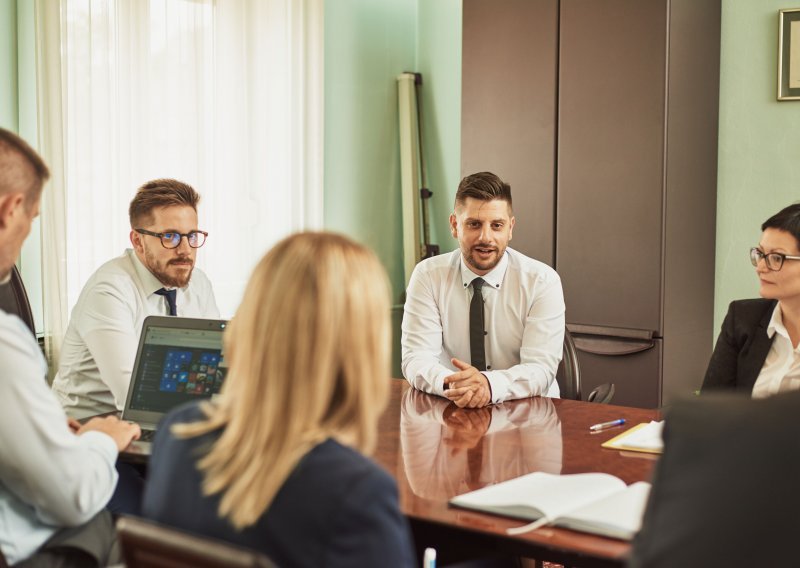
(725, 490)
(275, 462)
(755, 351)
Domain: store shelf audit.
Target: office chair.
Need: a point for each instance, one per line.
(569, 376)
(569, 370)
(149, 545)
(14, 300)
(725, 489)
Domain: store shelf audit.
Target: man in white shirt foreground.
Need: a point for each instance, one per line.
(56, 476)
(156, 277)
(484, 323)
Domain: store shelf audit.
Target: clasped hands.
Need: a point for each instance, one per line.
(467, 388)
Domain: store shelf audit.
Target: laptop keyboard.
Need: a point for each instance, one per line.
(147, 435)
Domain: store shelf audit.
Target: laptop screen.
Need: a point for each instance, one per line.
(177, 365)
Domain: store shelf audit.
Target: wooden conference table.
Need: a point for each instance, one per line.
(436, 451)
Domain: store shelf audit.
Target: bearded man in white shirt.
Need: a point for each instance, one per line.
(56, 476)
(156, 277)
(483, 323)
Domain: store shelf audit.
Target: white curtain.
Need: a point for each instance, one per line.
(225, 95)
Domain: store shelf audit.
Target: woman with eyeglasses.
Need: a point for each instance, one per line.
(757, 349)
(276, 462)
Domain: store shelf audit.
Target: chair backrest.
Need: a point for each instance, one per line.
(14, 300)
(569, 371)
(725, 489)
(568, 376)
(150, 545)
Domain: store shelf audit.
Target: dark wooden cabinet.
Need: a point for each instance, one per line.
(508, 97)
(623, 202)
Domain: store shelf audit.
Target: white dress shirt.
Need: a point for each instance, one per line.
(103, 334)
(524, 315)
(49, 477)
(781, 369)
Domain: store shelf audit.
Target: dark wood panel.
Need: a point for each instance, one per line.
(691, 194)
(436, 452)
(610, 161)
(508, 108)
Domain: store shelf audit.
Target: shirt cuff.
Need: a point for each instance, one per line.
(498, 384)
(103, 443)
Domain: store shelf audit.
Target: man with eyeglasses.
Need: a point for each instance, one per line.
(156, 277)
(757, 350)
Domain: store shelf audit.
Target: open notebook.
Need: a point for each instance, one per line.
(597, 503)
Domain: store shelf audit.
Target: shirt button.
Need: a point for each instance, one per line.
(488, 367)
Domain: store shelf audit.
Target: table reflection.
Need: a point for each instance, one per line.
(448, 450)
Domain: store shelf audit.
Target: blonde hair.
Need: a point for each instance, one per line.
(308, 355)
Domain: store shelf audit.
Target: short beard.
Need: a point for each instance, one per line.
(473, 262)
(161, 274)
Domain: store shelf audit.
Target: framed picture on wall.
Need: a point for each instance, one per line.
(789, 55)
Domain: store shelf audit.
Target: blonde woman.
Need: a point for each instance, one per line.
(275, 463)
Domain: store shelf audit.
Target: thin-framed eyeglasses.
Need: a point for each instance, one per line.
(773, 260)
(172, 240)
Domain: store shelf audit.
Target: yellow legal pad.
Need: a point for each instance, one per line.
(632, 440)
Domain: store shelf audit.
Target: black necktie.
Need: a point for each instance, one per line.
(169, 295)
(476, 327)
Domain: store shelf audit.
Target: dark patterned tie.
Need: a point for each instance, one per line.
(169, 295)
(476, 327)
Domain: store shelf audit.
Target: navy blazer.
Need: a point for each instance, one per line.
(742, 346)
(336, 509)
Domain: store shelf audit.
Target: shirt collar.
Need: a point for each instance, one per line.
(776, 323)
(149, 282)
(494, 278)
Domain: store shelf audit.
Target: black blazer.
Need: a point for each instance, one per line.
(742, 346)
(725, 490)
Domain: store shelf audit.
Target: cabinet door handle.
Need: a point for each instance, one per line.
(611, 347)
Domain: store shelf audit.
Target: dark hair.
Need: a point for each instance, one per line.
(787, 219)
(484, 186)
(21, 168)
(160, 193)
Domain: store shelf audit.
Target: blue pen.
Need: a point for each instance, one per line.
(429, 560)
(604, 425)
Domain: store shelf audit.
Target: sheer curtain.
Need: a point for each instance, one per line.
(225, 95)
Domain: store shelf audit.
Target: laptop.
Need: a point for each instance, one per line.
(179, 360)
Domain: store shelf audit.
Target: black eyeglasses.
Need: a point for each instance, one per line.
(171, 240)
(774, 260)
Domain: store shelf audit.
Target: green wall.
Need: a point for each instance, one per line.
(759, 144)
(439, 61)
(9, 114)
(368, 43)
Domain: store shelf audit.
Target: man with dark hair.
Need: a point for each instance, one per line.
(484, 323)
(156, 277)
(56, 476)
